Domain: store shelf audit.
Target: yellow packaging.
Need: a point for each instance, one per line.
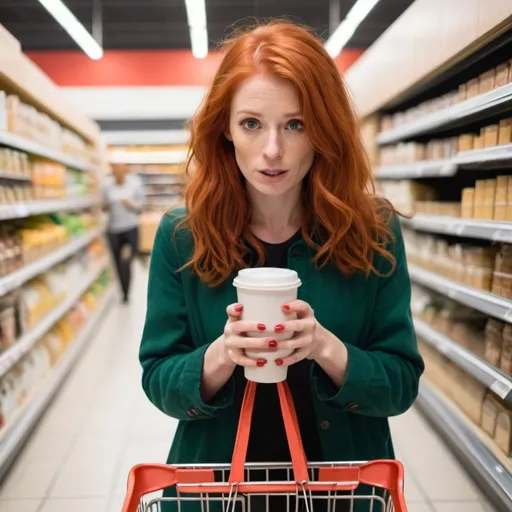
(505, 131)
(468, 203)
(491, 135)
(500, 202)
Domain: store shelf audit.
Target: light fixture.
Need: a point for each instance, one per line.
(348, 26)
(73, 27)
(196, 16)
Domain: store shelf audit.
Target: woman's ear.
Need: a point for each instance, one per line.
(228, 135)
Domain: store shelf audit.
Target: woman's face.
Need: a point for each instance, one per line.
(272, 149)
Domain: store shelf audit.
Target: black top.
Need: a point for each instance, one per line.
(268, 438)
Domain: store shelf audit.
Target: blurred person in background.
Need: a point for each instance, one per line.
(281, 180)
(124, 199)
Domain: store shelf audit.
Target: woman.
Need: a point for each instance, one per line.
(123, 198)
(281, 180)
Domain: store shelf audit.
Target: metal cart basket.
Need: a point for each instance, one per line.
(375, 486)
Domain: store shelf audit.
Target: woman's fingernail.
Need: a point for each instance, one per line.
(286, 307)
(279, 362)
(262, 327)
(279, 328)
(261, 362)
(272, 344)
(239, 308)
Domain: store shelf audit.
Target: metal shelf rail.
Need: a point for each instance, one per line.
(469, 228)
(477, 458)
(501, 97)
(487, 158)
(487, 374)
(488, 303)
(36, 148)
(21, 210)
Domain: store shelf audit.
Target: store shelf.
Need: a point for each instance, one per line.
(470, 447)
(21, 210)
(468, 228)
(36, 148)
(12, 355)
(495, 156)
(17, 278)
(465, 111)
(485, 302)
(488, 375)
(19, 430)
(14, 177)
(423, 169)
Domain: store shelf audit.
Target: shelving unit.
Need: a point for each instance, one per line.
(20, 429)
(488, 303)
(40, 127)
(491, 377)
(468, 228)
(488, 467)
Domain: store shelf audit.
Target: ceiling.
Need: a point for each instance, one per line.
(162, 24)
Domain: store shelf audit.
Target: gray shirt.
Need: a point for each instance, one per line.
(122, 218)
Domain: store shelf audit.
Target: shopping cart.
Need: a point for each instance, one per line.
(331, 487)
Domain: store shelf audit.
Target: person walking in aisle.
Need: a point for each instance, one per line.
(123, 198)
(281, 179)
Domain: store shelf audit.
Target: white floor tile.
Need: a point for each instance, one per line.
(463, 506)
(20, 505)
(419, 507)
(76, 505)
(30, 479)
(101, 424)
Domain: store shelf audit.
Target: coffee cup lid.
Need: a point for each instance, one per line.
(267, 278)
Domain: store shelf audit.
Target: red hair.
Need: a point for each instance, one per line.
(338, 208)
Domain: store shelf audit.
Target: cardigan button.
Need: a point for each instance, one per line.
(352, 406)
(324, 425)
(296, 251)
(193, 412)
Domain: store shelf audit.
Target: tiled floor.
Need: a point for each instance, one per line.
(101, 425)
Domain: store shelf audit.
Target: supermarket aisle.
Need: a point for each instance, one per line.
(101, 425)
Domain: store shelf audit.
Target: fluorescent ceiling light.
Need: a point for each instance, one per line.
(73, 27)
(348, 26)
(196, 16)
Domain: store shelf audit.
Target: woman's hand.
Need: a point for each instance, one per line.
(236, 344)
(311, 340)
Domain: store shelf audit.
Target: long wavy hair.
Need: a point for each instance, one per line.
(343, 222)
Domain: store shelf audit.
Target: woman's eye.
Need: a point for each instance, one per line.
(251, 124)
(295, 125)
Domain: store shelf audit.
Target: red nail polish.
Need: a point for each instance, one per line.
(286, 307)
(239, 308)
(272, 344)
(279, 362)
(262, 327)
(261, 362)
(279, 328)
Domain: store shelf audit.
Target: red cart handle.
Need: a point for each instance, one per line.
(298, 456)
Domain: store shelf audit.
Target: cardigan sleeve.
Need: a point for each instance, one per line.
(171, 364)
(382, 378)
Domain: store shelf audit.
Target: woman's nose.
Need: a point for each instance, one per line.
(273, 148)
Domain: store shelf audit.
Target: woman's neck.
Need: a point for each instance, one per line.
(276, 219)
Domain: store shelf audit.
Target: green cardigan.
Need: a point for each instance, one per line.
(370, 315)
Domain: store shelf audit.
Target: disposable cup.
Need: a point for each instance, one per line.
(262, 291)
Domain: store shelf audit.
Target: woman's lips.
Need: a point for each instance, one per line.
(273, 175)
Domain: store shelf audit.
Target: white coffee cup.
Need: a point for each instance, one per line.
(262, 291)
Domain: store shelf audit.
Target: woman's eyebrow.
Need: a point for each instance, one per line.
(258, 114)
